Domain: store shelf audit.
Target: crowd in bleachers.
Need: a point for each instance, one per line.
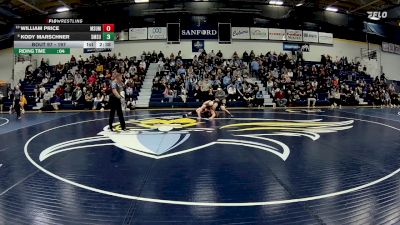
(84, 83)
(235, 80)
(287, 78)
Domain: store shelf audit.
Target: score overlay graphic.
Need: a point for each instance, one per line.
(60, 38)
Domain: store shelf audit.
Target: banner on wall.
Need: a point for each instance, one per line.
(303, 47)
(197, 45)
(385, 46)
(203, 31)
(325, 38)
(391, 47)
(121, 36)
(138, 33)
(258, 33)
(277, 34)
(294, 35)
(397, 49)
(157, 33)
(310, 36)
(240, 33)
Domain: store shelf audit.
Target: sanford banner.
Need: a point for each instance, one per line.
(202, 31)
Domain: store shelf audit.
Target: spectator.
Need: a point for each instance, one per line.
(249, 97)
(168, 93)
(386, 99)
(334, 98)
(280, 98)
(232, 94)
(184, 94)
(219, 54)
(255, 67)
(97, 101)
(92, 79)
(259, 99)
(311, 98)
(88, 100)
(227, 80)
(42, 91)
(220, 95)
(77, 96)
(46, 99)
(55, 101)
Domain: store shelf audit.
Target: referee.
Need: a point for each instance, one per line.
(117, 87)
(17, 99)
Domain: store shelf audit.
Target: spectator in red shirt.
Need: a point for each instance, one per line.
(92, 79)
(280, 98)
(60, 91)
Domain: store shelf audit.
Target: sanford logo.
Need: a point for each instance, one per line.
(198, 32)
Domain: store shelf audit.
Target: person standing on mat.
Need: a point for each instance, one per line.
(17, 99)
(117, 87)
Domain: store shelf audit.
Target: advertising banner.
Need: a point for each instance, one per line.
(157, 33)
(277, 34)
(240, 33)
(310, 36)
(258, 33)
(325, 38)
(294, 35)
(138, 33)
(204, 31)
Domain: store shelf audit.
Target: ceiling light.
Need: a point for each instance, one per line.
(300, 4)
(331, 9)
(374, 18)
(62, 9)
(141, 1)
(276, 2)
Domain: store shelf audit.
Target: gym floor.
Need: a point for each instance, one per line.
(260, 167)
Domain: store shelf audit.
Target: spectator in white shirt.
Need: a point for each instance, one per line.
(142, 65)
(97, 100)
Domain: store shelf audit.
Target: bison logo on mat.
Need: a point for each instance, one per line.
(164, 137)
